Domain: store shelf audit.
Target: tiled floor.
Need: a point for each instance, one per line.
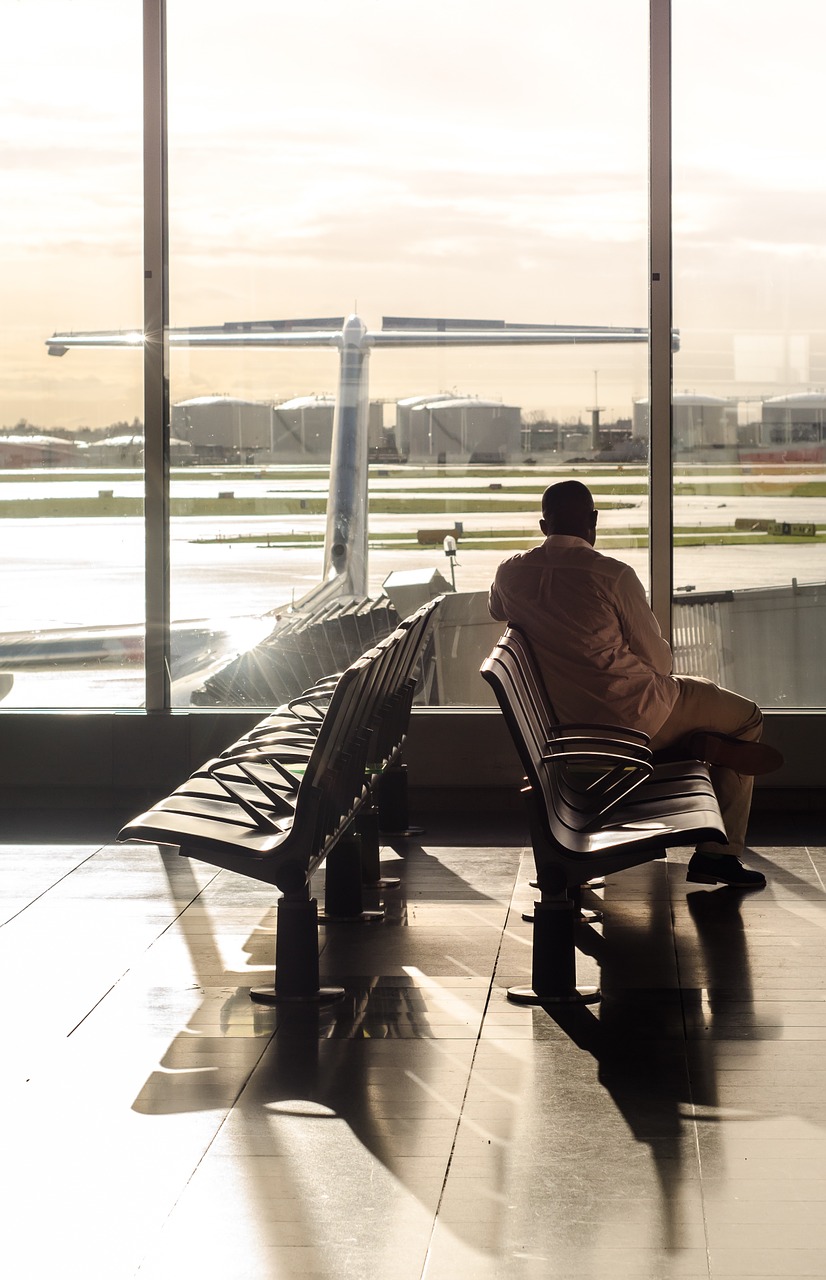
(158, 1124)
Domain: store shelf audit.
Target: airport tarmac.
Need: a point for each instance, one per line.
(89, 572)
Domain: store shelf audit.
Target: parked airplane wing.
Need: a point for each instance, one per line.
(396, 331)
(59, 343)
(414, 331)
(255, 334)
(548, 335)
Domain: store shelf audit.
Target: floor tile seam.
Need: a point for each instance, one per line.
(808, 852)
(479, 1035)
(52, 886)
(146, 949)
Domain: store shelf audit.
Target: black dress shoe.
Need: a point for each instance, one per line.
(749, 758)
(704, 869)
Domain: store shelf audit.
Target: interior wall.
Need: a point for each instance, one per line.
(456, 757)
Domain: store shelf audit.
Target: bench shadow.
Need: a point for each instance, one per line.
(657, 1051)
(655, 1046)
(486, 830)
(426, 876)
(300, 1066)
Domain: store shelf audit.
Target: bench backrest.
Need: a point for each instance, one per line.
(272, 806)
(580, 771)
(362, 730)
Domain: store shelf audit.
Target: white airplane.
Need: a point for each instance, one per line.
(345, 541)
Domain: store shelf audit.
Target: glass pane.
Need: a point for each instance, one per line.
(71, 488)
(425, 167)
(749, 403)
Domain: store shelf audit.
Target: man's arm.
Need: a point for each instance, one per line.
(640, 627)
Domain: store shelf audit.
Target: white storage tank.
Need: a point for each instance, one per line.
(404, 408)
(794, 419)
(699, 422)
(465, 430)
(224, 426)
(303, 429)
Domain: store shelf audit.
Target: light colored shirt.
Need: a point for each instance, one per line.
(598, 645)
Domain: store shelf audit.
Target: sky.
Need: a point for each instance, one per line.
(461, 158)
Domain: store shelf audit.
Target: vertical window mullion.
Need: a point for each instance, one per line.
(661, 518)
(156, 359)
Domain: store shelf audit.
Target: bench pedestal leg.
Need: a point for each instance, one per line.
(368, 830)
(394, 813)
(553, 971)
(343, 885)
(583, 915)
(296, 956)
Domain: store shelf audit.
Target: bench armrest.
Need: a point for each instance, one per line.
(618, 734)
(596, 766)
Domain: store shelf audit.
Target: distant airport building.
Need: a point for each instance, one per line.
(116, 451)
(569, 440)
(127, 451)
(464, 430)
(791, 429)
(40, 451)
(700, 423)
(224, 428)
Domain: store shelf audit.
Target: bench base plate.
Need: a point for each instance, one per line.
(584, 917)
(269, 995)
(362, 917)
(580, 995)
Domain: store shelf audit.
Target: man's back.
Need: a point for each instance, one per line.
(597, 643)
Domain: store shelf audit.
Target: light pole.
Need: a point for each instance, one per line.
(450, 552)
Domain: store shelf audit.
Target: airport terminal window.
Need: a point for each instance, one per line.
(421, 184)
(750, 270)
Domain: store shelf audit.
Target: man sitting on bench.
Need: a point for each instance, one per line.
(604, 660)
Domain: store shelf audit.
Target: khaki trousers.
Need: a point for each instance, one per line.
(703, 705)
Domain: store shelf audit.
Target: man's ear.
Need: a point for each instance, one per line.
(543, 525)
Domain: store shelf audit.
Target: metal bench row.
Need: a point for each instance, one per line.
(598, 802)
(299, 652)
(293, 793)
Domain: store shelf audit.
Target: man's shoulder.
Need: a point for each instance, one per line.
(556, 550)
(520, 559)
(610, 564)
(559, 553)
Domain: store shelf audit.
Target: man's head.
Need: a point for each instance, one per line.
(568, 507)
